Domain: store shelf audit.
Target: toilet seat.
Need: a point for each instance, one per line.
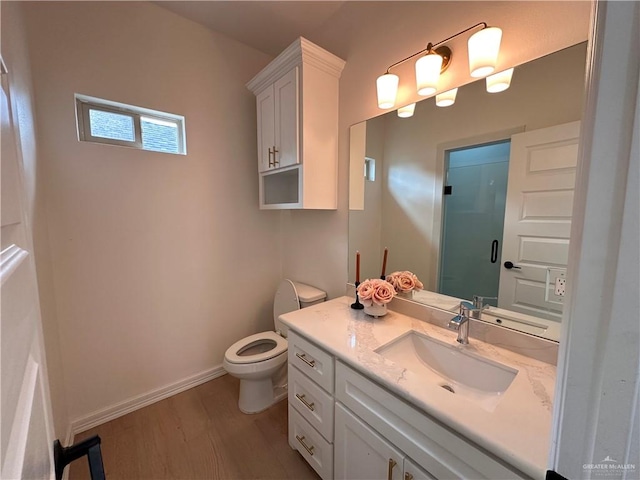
(234, 352)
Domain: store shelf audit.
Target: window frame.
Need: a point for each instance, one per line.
(85, 103)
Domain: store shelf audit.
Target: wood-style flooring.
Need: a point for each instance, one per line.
(197, 434)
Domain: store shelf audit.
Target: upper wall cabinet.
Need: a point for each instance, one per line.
(297, 105)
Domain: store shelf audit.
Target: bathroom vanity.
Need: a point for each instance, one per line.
(396, 397)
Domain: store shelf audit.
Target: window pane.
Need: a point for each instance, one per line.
(159, 136)
(111, 125)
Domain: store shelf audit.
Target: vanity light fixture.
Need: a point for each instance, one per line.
(484, 46)
(407, 110)
(446, 99)
(500, 81)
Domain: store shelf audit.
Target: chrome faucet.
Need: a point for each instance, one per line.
(461, 322)
(479, 306)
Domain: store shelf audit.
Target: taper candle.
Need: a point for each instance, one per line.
(357, 267)
(384, 263)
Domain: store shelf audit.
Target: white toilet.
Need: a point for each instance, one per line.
(260, 360)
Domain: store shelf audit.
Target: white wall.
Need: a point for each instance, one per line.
(316, 243)
(160, 262)
(16, 56)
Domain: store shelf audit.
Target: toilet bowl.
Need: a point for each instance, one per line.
(260, 360)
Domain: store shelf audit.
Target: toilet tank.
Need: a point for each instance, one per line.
(292, 296)
(308, 295)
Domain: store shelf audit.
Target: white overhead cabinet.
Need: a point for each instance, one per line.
(297, 111)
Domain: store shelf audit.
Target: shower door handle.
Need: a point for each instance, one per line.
(494, 251)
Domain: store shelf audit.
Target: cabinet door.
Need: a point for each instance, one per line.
(414, 472)
(361, 453)
(286, 119)
(265, 102)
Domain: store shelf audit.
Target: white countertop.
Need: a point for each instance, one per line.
(518, 430)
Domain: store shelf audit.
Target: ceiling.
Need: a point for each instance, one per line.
(268, 26)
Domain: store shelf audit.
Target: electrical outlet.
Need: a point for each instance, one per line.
(561, 283)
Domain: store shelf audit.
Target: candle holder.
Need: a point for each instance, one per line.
(357, 305)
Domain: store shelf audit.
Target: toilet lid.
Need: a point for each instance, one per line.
(256, 348)
(285, 301)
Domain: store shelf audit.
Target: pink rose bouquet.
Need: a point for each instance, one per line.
(404, 281)
(375, 291)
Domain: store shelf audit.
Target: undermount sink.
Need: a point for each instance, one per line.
(450, 366)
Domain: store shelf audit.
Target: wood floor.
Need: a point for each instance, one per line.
(198, 434)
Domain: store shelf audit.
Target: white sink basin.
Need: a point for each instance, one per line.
(452, 367)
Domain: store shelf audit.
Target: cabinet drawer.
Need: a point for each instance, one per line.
(314, 362)
(431, 445)
(313, 403)
(315, 449)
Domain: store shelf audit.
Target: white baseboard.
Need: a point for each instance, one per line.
(122, 408)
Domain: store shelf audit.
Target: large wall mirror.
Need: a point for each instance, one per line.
(476, 198)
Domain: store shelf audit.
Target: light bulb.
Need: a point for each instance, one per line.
(484, 47)
(446, 99)
(499, 82)
(387, 86)
(428, 73)
(407, 110)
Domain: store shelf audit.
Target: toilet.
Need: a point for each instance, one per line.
(260, 360)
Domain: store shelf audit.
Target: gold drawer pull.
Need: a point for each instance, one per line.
(408, 476)
(311, 363)
(310, 406)
(306, 447)
(392, 463)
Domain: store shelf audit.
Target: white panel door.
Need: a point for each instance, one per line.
(26, 443)
(538, 219)
(287, 124)
(362, 454)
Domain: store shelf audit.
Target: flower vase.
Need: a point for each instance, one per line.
(408, 295)
(376, 310)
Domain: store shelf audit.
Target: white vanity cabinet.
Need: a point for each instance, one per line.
(311, 403)
(297, 114)
(360, 453)
(431, 447)
(348, 427)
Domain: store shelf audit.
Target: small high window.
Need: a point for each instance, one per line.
(103, 121)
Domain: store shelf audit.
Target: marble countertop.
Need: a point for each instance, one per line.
(518, 430)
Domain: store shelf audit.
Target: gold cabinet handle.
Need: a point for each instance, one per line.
(392, 463)
(306, 447)
(311, 363)
(275, 162)
(310, 406)
(408, 476)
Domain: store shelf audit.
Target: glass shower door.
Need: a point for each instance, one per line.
(473, 220)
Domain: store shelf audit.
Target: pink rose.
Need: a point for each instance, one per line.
(365, 290)
(404, 281)
(375, 291)
(384, 293)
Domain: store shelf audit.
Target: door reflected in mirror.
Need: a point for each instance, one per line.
(462, 191)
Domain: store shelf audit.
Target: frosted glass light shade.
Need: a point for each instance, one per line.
(500, 81)
(387, 86)
(407, 110)
(428, 73)
(446, 99)
(484, 47)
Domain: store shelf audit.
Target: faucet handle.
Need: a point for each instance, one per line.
(478, 301)
(466, 308)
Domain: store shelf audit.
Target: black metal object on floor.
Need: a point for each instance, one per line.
(90, 447)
